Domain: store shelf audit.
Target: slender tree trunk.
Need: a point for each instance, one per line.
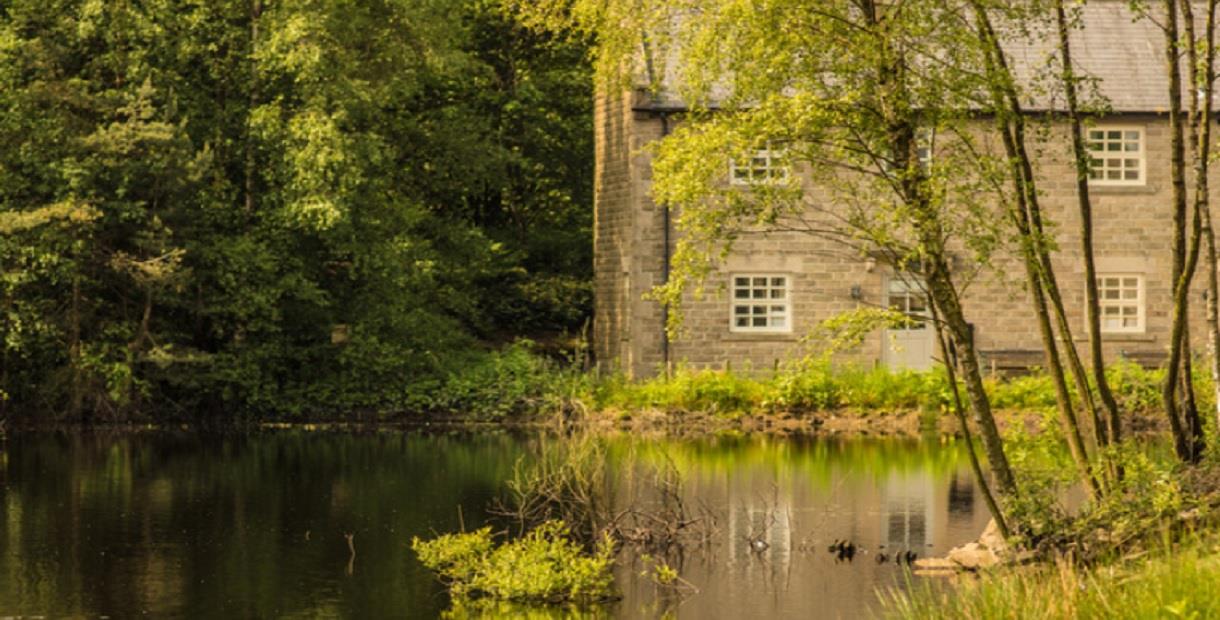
(1113, 432)
(1190, 411)
(949, 358)
(1026, 219)
(944, 296)
(1034, 230)
(898, 112)
(1180, 275)
(1203, 79)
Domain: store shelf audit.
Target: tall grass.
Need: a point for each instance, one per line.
(820, 386)
(1179, 583)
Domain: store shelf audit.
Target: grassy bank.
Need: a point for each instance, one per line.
(1175, 582)
(517, 383)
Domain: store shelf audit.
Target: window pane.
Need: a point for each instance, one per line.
(759, 310)
(741, 310)
(1130, 282)
(779, 321)
(1133, 135)
(1131, 175)
(743, 322)
(777, 293)
(760, 281)
(777, 309)
(760, 321)
(1110, 311)
(742, 281)
(742, 293)
(777, 281)
(759, 293)
(1114, 135)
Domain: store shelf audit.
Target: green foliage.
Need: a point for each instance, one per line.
(512, 382)
(1032, 391)
(707, 391)
(196, 198)
(544, 566)
(1136, 388)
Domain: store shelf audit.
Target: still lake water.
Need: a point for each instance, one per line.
(167, 524)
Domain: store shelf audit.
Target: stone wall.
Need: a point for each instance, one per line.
(1131, 228)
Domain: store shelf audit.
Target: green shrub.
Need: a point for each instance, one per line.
(515, 381)
(544, 566)
(707, 391)
(807, 387)
(1135, 387)
(1032, 391)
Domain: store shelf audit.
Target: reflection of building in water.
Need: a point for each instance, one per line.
(907, 510)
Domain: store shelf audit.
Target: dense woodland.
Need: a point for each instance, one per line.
(248, 208)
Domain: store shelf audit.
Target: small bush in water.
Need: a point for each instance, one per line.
(544, 566)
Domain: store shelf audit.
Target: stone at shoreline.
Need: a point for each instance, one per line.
(990, 550)
(973, 556)
(992, 539)
(937, 564)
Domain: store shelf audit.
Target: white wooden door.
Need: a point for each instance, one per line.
(910, 347)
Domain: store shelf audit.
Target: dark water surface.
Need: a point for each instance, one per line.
(163, 524)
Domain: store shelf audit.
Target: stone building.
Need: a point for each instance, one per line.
(803, 283)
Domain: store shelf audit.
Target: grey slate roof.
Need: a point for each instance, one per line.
(1122, 53)
(1125, 53)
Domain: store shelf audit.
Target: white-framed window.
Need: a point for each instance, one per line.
(1121, 297)
(1116, 155)
(905, 294)
(765, 165)
(761, 302)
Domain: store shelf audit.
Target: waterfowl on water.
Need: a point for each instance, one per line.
(843, 550)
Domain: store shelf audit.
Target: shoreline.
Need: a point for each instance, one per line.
(831, 423)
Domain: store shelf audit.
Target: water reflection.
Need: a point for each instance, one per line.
(170, 524)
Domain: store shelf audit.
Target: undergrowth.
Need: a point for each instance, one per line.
(544, 566)
(518, 382)
(1177, 581)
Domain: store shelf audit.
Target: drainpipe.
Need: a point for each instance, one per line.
(665, 265)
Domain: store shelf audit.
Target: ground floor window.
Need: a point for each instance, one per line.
(1121, 297)
(905, 294)
(761, 303)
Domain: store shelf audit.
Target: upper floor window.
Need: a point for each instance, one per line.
(761, 303)
(1116, 155)
(1121, 297)
(765, 165)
